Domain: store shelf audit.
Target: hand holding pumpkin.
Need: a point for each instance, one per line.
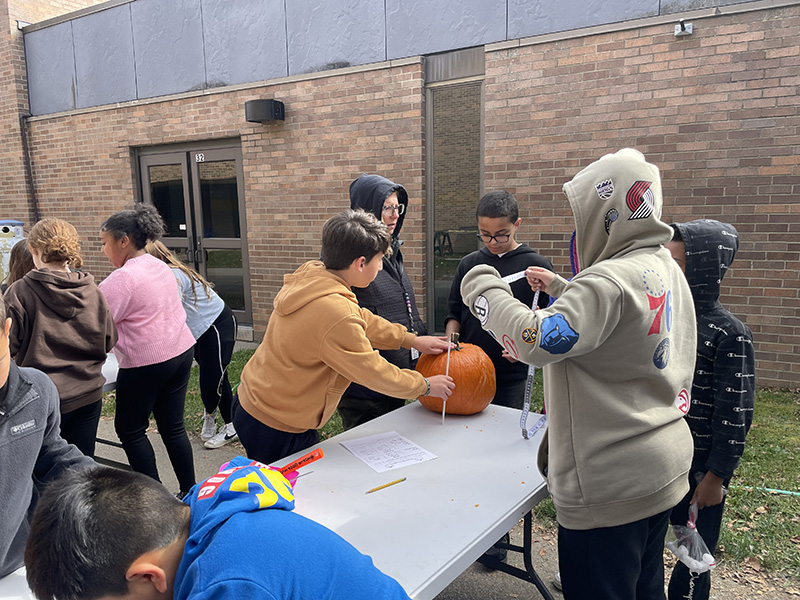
(429, 344)
(441, 386)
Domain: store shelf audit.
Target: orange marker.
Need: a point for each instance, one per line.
(302, 461)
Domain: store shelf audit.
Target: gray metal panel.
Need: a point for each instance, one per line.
(437, 25)
(325, 35)
(455, 65)
(104, 57)
(50, 59)
(244, 41)
(669, 7)
(538, 17)
(168, 42)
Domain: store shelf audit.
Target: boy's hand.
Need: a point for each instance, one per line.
(429, 344)
(709, 491)
(508, 357)
(441, 386)
(539, 278)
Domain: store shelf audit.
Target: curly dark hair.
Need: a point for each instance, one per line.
(141, 224)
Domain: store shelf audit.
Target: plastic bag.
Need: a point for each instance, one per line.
(685, 542)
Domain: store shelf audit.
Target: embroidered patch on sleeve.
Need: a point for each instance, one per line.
(529, 335)
(558, 337)
(481, 309)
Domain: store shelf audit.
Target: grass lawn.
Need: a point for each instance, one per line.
(759, 525)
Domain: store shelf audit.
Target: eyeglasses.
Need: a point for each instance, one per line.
(500, 238)
(388, 209)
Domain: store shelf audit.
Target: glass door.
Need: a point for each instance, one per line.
(199, 193)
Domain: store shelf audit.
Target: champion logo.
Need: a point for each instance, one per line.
(641, 200)
(23, 427)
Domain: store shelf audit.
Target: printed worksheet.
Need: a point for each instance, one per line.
(386, 451)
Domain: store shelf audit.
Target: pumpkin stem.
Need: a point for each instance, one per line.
(454, 340)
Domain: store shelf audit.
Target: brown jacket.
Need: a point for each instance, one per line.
(318, 341)
(61, 325)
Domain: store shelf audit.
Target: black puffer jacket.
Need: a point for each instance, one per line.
(723, 389)
(390, 295)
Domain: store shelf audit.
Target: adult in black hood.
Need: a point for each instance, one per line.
(723, 388)
(390, 295)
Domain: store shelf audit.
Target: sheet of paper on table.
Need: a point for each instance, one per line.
(386, 451)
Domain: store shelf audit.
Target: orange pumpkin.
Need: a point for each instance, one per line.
(474, 376)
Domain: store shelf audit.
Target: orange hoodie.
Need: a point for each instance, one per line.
(318, 341)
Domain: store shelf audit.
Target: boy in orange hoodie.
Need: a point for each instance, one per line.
(319, 340)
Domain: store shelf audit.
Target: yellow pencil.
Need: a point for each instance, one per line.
(385, 485)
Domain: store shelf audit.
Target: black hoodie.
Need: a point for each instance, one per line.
(723, 389)
(390, 295)
(61, 324)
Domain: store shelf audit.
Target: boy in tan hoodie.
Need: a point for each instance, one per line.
(618, 351)
(319, 340)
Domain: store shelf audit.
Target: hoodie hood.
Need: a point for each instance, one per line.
(710, 249)
(369, 192)
(617, 205)
(66, 294)
(243, 485)
(308, 283)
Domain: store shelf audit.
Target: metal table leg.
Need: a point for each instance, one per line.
(527, 574)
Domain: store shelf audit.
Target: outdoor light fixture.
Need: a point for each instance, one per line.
(261, 111)
(682, 29)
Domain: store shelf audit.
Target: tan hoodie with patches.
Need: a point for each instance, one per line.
(617, 347)
(318, 341)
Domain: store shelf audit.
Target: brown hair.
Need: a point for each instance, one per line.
(352, 234)
(57, 240)
(161, 252)
(20, 261)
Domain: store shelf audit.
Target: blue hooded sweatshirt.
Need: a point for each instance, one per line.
(245, 542)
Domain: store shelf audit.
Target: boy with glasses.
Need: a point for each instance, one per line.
(498, 221)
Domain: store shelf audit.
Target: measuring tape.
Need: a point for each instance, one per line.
(526, 406)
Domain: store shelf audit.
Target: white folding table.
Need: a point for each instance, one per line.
(427, 530)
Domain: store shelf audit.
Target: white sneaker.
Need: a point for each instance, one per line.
(209, 426)
(226, 435)
(557, 581)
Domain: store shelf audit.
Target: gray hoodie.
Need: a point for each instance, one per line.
(617, 348)
(32, 453)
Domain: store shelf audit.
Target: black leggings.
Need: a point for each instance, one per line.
(79, 426)
(213, 353)
(160, 389)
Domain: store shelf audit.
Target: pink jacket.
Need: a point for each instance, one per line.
(146, 305)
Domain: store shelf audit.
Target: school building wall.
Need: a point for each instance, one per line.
(717, 111)
(296, 172)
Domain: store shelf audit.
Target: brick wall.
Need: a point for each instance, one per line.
(296, 173)
(13, 103)
(718, 112)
